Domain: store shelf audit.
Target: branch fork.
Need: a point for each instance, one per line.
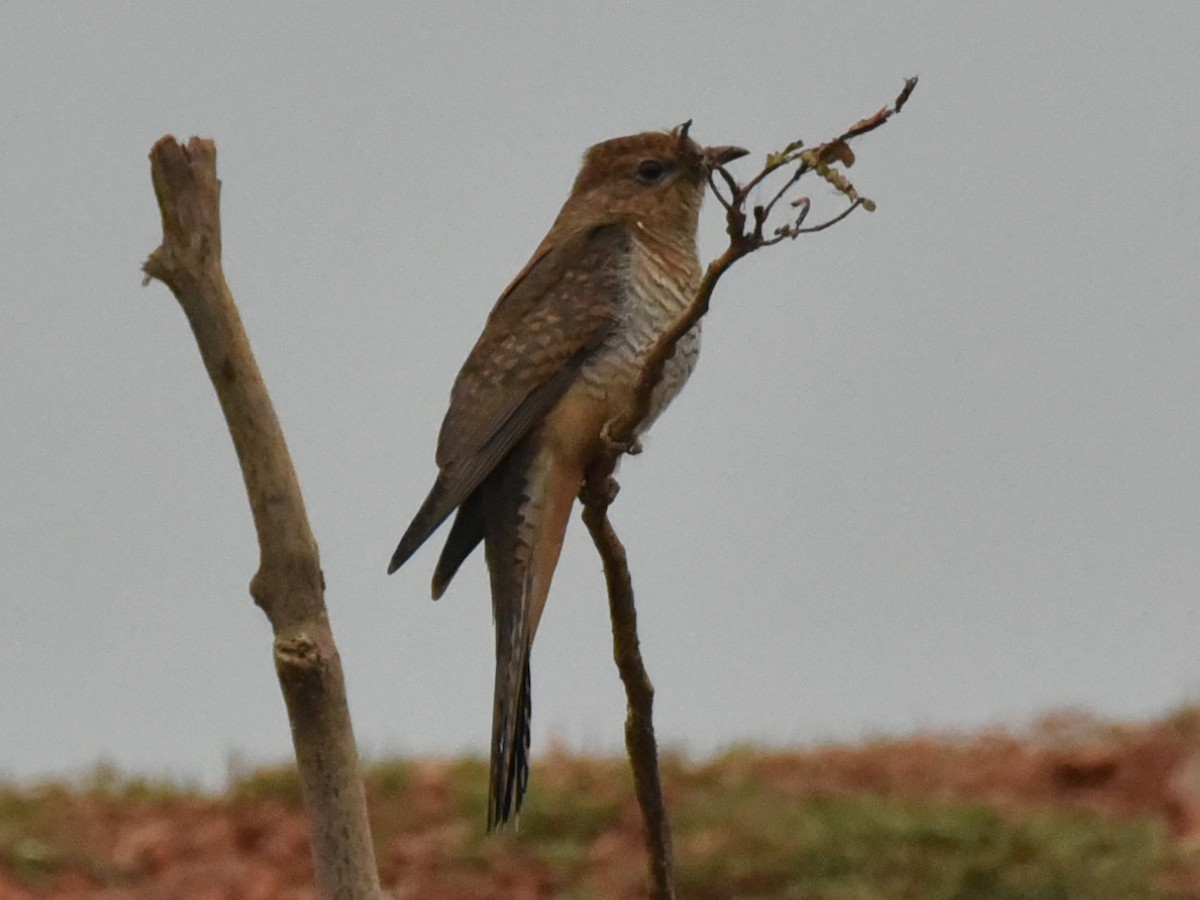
(600, 486)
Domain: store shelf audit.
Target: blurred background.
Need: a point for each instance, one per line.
(937, 468)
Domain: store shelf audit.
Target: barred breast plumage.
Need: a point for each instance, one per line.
(662, 281)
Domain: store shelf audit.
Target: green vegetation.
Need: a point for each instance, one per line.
(745, 827)
(37, 834)
(277, 783)
(746, 841)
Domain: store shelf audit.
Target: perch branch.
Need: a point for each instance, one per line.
(639, 691)
(600, 487)
(288, 586)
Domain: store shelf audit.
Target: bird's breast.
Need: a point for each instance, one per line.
(661, 280)
(660, 283)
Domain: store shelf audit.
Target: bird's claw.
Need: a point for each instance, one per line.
(616, 447)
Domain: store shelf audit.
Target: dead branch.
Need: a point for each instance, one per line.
(288, 586)
(600, 487)
(640, 743)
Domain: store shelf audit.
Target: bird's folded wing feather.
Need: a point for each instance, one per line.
(541, 331)
(538, 336)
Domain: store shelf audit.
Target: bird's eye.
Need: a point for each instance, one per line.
(650, 171)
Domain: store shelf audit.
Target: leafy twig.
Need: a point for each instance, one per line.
(600, 487)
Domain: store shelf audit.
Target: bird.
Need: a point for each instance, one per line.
(560, 358)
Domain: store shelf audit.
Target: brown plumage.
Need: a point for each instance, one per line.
(559, 357)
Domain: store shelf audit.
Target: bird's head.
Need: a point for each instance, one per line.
(656, 177)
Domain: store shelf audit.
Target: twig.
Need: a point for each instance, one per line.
(289, 585)
(600, 488)
(815, 228)
(639, 720)
(819, 159)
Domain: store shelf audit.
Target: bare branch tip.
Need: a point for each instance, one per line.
(910, 85)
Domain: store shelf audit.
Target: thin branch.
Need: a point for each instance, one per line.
(863, 126)
(289, 585)
(717, 191)
(815, 228)
(639, 720)
(787, 185)
(600, 489)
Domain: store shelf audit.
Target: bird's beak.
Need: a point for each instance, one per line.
(719, 156)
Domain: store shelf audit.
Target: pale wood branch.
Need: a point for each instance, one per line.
(289, 585)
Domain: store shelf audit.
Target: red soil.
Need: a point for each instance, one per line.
(219, 849)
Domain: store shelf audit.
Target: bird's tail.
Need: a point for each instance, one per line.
(509, 778)
(525, 512)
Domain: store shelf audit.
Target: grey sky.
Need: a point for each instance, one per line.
(937, 467)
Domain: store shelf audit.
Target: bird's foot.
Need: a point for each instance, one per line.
(633, 446)
(599, 491)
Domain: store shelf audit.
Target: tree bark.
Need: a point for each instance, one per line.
(289, 585)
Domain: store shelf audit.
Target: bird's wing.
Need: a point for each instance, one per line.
(542, 329)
